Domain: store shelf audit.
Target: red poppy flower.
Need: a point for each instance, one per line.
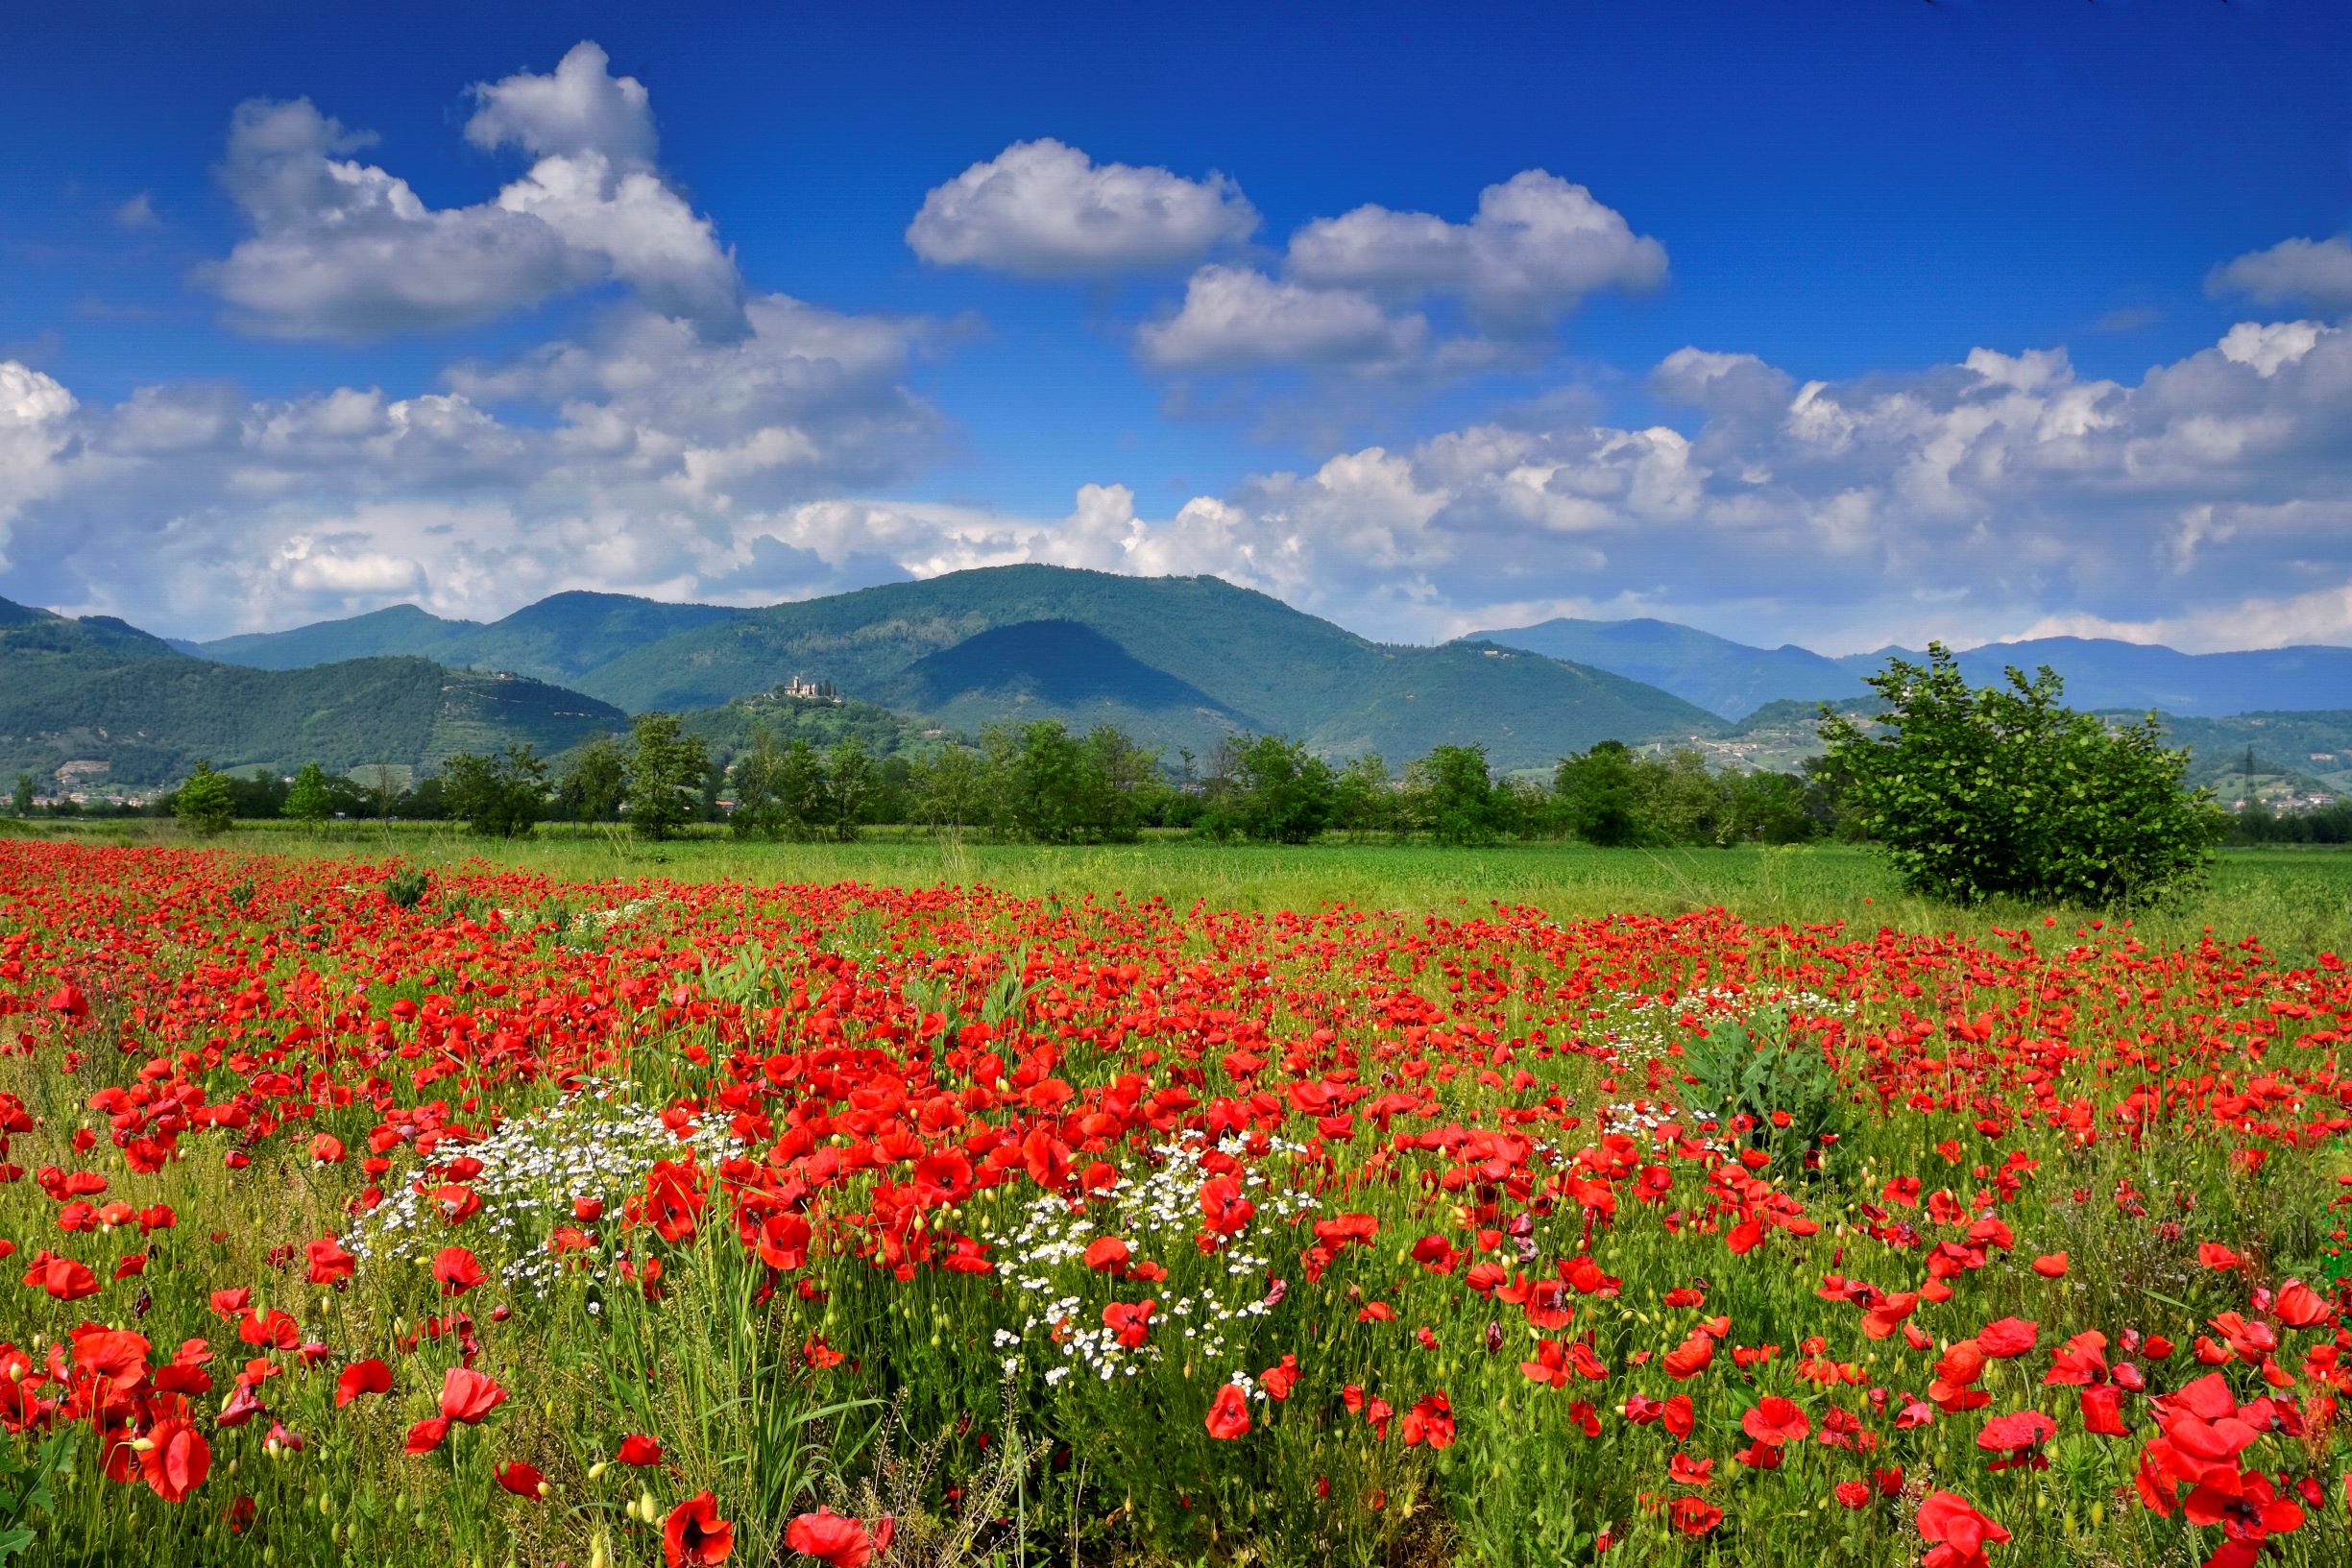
(2018, 1438)
(1693, 1515)
(1691, 1357)
(467, 1395)
(62, 1277)
(695, 1537)
(2007, 1338)
(1955, 1532)
(328, 1262)
(178, 1462)
(367, 1376)
(522, 1478)
(638, 1450)
(2300, 1307)
(1774, 1422)
(1430, 1420)
(1131, 1322)
(1228, 1413)
(457, 1270)
(832, 1539)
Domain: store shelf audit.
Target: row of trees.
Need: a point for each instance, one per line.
(1042, 783)
(2259, 824)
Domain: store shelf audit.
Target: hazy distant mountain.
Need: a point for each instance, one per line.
(2101, 673)
(1726, 678)
(134, 709)
(1175, 662)
(556, 639)
(1732, 678)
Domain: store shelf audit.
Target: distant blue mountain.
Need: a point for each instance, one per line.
(1729, 679)
(1732, 678)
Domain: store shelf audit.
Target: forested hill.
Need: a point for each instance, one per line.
(1175, 662)
(557, 638)
(130, 710)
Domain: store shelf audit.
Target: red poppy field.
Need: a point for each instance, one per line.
(638, 1223)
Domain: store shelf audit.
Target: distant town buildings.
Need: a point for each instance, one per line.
(800, 689)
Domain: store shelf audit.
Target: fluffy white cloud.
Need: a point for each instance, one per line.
(1968, 501)
(2317, 274)
(579, 109)
(1237, 316)
(2208, 504)
(1044, 209)
(344, 250)
(34, 410)
(1537, 245)
(639, 458)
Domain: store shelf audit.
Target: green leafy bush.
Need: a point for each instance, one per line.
(406, 888)
(1761, 1087)
(205, 803)
(2007, 792)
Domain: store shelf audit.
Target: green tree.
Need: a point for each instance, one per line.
(1688, 804)
(666, 773)
(1364, 797)
(755, 784)
(950, 790)
(595, 784)
(1281, 792)
(850, 783)
(1122, 785)
(1601, 798)
(801, 805)
(207, 802)
(501, 795)
(307, 800)
(1048, 782)
(20, 804)
(1770, 808)
(893, 789)
(2007, 792)
(1453, 796)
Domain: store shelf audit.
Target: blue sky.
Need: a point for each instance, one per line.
(1825, 324)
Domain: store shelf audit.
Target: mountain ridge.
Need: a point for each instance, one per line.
(1177, 661)
(1721, 675)
(95, 698)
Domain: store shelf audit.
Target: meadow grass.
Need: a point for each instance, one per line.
(724, 1368)
(2296, 901)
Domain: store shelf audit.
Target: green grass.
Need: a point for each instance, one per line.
(2298, 901)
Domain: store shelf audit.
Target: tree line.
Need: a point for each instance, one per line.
(1043, 782)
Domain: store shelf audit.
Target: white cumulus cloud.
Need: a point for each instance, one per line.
(342, 249)
(1536, 245)
(1237, 316)
(2317, 274)
(1045, 209)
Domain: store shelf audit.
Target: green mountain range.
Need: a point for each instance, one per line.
(1175, 662)
(557, 638)
(1178, 663)
(94, 701)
